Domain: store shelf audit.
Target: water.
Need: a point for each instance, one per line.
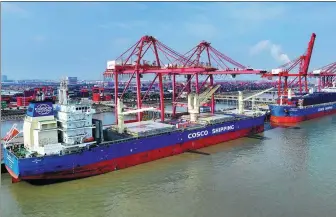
(290, 173)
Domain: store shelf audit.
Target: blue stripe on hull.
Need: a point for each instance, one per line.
(39, 165)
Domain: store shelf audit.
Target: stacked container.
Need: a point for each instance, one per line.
(96, 97)
(3, 104)
(23, 101)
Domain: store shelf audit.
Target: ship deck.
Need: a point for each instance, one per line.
(151, 128)
(142, 129)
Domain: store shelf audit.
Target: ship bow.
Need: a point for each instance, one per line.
(12, 164)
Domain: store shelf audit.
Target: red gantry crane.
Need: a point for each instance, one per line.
(191, 65)
(326, 75)
(288, 70)
(152, 48)
(205, 56)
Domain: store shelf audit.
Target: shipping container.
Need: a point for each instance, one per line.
(23, 101)
(4, 104)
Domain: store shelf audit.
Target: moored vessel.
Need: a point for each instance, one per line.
(299, 108)
(63, 141)
(294, 106)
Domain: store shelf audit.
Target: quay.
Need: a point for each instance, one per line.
(13, 114)
(228, 98)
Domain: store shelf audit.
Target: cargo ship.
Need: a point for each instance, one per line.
(301, 107)
(64, 142)
(296, 107)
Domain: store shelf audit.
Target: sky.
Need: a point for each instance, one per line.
(48, 40)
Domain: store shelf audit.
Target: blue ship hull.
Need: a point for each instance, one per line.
(110, 156)
(293, 114)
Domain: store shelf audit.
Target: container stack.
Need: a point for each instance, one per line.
(23, 101)
(3, 104)
(315, 98)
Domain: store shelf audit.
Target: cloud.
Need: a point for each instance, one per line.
(13, 9)
(260, 46)
(274, 49)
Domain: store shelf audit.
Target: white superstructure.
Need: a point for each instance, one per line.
(40, 133)
(49, 131)
(75, 123)
(74, 119)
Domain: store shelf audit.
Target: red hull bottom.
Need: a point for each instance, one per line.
(136, 159)
(297, 119)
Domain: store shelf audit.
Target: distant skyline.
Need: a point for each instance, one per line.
(48, 40)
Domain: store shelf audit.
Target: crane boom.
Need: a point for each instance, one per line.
(195, 100)
(121, 113)
(308, 55)
(257, 94)
(203, 97)
(139, 110)
(241, 99)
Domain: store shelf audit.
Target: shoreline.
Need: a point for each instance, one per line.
(12, 117)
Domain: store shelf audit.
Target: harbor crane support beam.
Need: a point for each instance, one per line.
(326, 75)
(215, 63)
(191, 65)
(147, 47)
(301, 64)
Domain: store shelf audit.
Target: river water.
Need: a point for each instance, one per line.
(291, 172)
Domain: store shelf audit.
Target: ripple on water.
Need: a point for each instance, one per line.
(291, 174)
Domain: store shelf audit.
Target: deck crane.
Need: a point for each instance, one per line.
(195, 100)
(121, 113)
(283, 72)
(241, 99)
(326, 75)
